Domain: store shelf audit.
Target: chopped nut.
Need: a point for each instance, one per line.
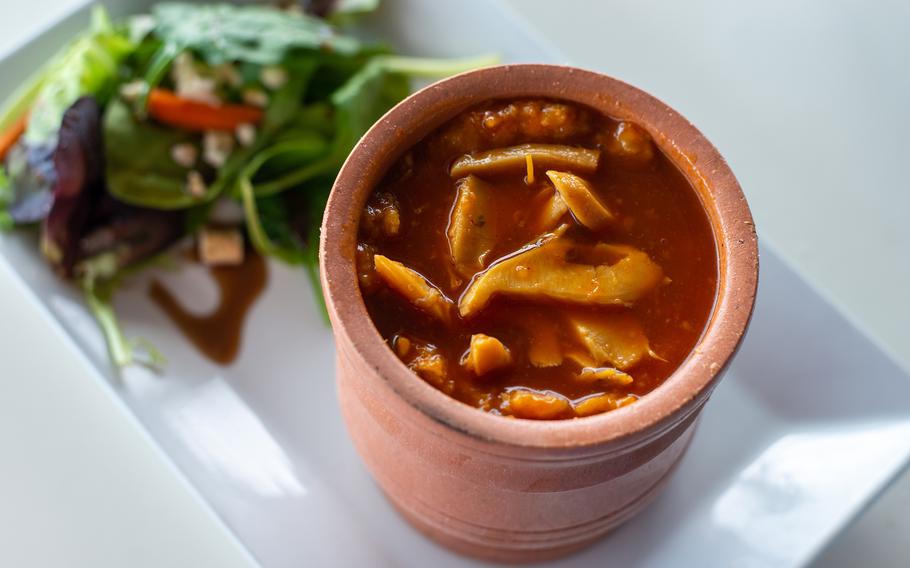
(273, 77)
(486, 354)
(189, 83)
(255, 97)
(216, 147)
(535, 405)
(246, 134)
(184, 154)
(195, 185)
(133, 90)
(220, 247)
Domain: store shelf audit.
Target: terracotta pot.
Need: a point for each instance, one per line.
(512, 489)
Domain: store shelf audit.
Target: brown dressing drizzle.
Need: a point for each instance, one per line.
(217, 335)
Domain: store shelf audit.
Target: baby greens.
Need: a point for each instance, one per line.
(153, 143)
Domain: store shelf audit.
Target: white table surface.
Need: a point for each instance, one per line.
(816, 89)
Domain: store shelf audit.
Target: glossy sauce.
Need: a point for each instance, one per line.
(217, 335)
(659, 212)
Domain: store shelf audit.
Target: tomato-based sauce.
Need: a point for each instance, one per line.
(537, 259)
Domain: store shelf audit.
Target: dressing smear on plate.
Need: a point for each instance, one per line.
(535, 259)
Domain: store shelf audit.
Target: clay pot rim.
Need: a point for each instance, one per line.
(737, 252)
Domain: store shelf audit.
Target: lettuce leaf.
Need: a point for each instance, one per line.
(6, 197)
(88, 66)
(99, 283)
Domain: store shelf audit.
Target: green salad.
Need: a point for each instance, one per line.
(218, 123)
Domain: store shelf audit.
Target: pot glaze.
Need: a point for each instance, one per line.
(512, 489)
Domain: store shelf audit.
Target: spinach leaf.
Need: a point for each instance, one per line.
(275, 240)
(140, 170)
(222, 33)
(282, 109)
(358, 103)
(286, 226)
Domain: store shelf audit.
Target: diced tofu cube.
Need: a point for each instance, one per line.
(220, 247)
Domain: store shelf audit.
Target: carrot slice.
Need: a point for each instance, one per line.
(166, 107)
(11, 135)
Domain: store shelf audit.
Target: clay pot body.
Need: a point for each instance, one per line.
(511, 489)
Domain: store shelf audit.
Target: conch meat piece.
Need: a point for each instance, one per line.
(617, 340)
(579, 196)
(486, 354)
(472, 230)
(514, 159)
(414, 287)
(555, 268)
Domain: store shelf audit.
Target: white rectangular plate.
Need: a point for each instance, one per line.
(811, 422)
